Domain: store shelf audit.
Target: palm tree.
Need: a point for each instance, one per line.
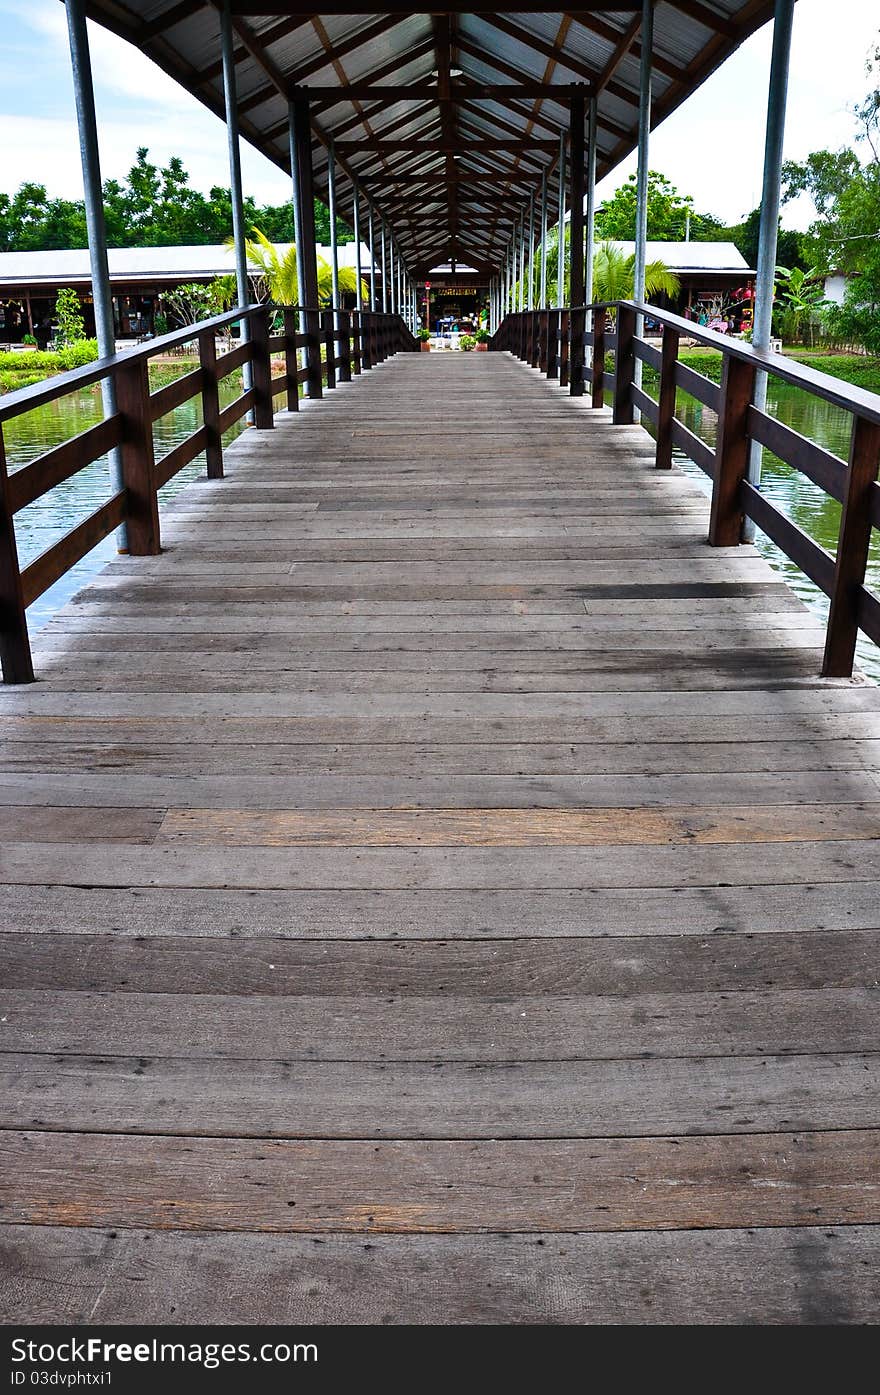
(274, 273)
(613, 272)
(614, 275)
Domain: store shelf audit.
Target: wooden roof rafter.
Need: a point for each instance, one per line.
(512, 87)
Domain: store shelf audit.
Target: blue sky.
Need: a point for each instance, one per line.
(711, 148)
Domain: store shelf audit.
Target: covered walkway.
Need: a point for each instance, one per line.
(439, 888)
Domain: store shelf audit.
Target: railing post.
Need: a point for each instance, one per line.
(598, 395)
(137, 458)
(543, 326)
(553, 344)
(291, 359)
(15, 648)
(261, 370)
(344, 333)
(563, 347)
(624, 365)
(577, 320)
(357, 341)
(853, 544)
(329, 347)
(367, 339)
(535, 355)
(666, 399)
(211, 404)
(313, 353)
(350, 342)
(731, 452)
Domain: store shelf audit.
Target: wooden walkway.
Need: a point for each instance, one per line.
(439, 889)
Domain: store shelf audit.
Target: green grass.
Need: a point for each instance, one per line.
(856, 369)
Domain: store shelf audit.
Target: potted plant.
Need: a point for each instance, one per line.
(482, 338)
(425, 336)
(466, 343)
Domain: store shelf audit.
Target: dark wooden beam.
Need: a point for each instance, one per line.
(612, 36)
(441, 144)
(459, 91)
(710, 19)
(361, 7)
(175, 15)
(467, 177)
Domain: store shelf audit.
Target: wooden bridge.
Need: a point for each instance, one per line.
(439, 887)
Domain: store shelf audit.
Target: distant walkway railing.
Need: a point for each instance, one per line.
(333, 346)
(556, 341)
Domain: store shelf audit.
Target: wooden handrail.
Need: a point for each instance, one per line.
(741, 424)
(359, 340)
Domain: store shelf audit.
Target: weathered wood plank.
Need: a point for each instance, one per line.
(169, 963)
(440, 1028)
(349, 1099)
(773, 823)
(767, 1276)
(547, 1186)
(784, 908)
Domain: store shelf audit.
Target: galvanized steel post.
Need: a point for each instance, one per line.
(769, 226)
(105, 331)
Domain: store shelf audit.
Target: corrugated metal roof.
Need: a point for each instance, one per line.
(139, 263)
(279, 50)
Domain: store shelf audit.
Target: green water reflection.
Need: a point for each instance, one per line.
(42, 523)
(792, 493)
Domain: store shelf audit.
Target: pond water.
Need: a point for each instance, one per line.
(43, 522)
(791, 492)
(46, 520)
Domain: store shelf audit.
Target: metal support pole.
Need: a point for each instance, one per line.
(542, 296)
(530, 299)
(591, 206)
(304, 219)
(647, 42)
(239, 231)
(84, 95)
(356, 229)
(576, 184)
(560, 270)
(372, 260)
(334, 247)
(522, 263)
(384, 272)
(392, 274)
(768, 232)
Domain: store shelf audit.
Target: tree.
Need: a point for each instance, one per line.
(670, 214)
(71, 326)
(275, 275)
(789, 244)
(801, 296)
(149, 207)
(845, 235)
(614, 275)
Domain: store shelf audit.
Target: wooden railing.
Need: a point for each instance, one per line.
(557, 342)
(333, 346)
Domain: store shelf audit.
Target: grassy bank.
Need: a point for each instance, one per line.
(18, 370)
(857, 369)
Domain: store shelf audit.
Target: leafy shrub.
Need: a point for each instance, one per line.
(482, 336)
(78, 354)
(424, 335)
(71, 327)
(466, 342)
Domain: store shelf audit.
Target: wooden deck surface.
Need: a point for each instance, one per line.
(438, 888)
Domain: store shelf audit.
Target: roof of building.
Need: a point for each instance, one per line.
(139, 264)
(681, 257)
(447, 121)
